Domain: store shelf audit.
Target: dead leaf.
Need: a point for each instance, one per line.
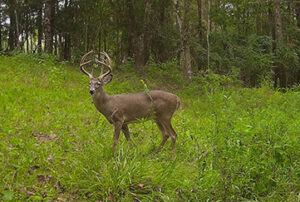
(41, 137)
(42, 179)
(50, 158)
(111, 197)
(140, 186)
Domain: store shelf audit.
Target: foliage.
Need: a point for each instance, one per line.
(233, 143)
(240, 38)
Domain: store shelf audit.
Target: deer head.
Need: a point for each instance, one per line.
(97, 82)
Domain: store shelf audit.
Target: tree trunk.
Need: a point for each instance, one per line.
(184, 26)
(297, 10)
(99, 41)
(61, 47)
(161, 44)
(138, 54)
(31, 43)
(27, 40)
(297, 5)
(208, 33)
(48, 29)
(18, 44)
(104, 43)
(55, 45)
(67, 47)
(131, 27)
(200, 34)
(40, 28)
(147, 32)
(277, 18)
(0, 27)
(12, 26)
(280, 74)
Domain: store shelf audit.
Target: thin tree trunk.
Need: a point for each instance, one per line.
(99, 41)
(86, 38)
(147, 33)
(183, 25)
(48, 26)
(207, 34)
(277, 17)
(18, 44)
(0, 27)
(27, 40)
(67, 48)
(12, 27)
(118, 51)
(131, 27)
(40, 28)
(31, 43)
(297, 9)
(200, 34)
(138, 54)
(104, 43)
(280, 74)
(61, 48)
(55, 44)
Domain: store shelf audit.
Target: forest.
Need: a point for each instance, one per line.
(234, 64)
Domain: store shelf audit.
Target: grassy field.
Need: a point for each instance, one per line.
(233, 143)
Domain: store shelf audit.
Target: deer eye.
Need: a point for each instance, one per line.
(98, 82)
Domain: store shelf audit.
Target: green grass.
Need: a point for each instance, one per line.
(233, 143)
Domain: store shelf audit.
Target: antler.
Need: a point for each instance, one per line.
(83, 63)
(107, 64)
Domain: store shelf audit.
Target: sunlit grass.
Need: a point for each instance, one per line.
(233, 143)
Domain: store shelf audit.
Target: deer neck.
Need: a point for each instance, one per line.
(101, 102)
(100, 97)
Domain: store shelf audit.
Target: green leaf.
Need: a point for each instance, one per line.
(8, 195)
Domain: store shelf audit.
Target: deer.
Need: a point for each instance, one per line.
(122, 109)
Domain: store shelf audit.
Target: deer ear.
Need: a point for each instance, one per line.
(107, 79)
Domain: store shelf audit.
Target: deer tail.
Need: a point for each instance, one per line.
(178, 102)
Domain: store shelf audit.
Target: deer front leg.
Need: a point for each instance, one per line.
(117, 122)
(126, 132)
(117, 129)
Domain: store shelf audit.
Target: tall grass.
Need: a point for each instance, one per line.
(233, 143)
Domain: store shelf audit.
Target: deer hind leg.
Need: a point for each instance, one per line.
(171, 132)
(173, 136)
(164, 134)
(126, 132)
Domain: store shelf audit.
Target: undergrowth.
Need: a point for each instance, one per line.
(233, 143)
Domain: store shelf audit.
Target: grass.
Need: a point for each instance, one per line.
(233, 143)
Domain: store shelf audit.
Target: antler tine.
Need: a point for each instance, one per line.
(83, 63)
(108, 58)
(105, 64)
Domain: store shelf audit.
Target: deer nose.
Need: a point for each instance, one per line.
(91, 92)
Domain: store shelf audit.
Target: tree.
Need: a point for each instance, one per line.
(48, 25)
(279, 74)
(183, 25)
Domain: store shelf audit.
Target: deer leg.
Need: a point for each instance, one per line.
(165, 136)
(174, 137)
(171, 132)
(126, 132)
(117, 122)
(117, 129)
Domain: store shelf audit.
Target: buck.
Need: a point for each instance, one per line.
(122, 109)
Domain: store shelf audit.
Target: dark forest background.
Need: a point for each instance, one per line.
(255, 39)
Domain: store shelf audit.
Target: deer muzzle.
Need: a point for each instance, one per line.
(92, 91)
